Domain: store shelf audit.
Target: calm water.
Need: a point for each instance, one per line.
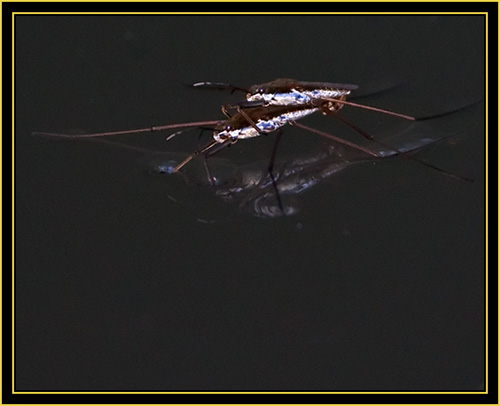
(127, 279)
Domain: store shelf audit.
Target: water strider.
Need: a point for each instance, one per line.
(267, 109)
(291, 92)
(270, 106)
(286, 92)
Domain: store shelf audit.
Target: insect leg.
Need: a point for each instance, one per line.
(364, 106)
(219, 85)
(211, 152)
(271, 167)
(189, 129)
(207, 151)
(199, 151)
(397, 151)
(136, 131)
(238, 106)
(225, 110)
(249, 120)
(334, 138)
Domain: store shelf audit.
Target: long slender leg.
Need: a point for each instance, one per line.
(207, 151)
(210, 178)
(220, 146)
(212, 152)
(364, 106)
(249, 120)
(334, 138)
(397, 151)
(406, 117)
(273, 152)
(136, 131)
(271, 167)
(168, 138)
(242, 105)
(199, 151)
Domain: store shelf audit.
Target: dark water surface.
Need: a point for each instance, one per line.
(128, 279)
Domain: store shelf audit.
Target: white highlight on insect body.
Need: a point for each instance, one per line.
(265, 126)
(296, 97)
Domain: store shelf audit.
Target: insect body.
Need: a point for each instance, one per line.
(249, 123)
(329, 97)
(255, 121)
(290, 92)
(285, 92)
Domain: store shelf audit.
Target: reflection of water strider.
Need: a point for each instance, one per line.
(250, 185)
(267, 108)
